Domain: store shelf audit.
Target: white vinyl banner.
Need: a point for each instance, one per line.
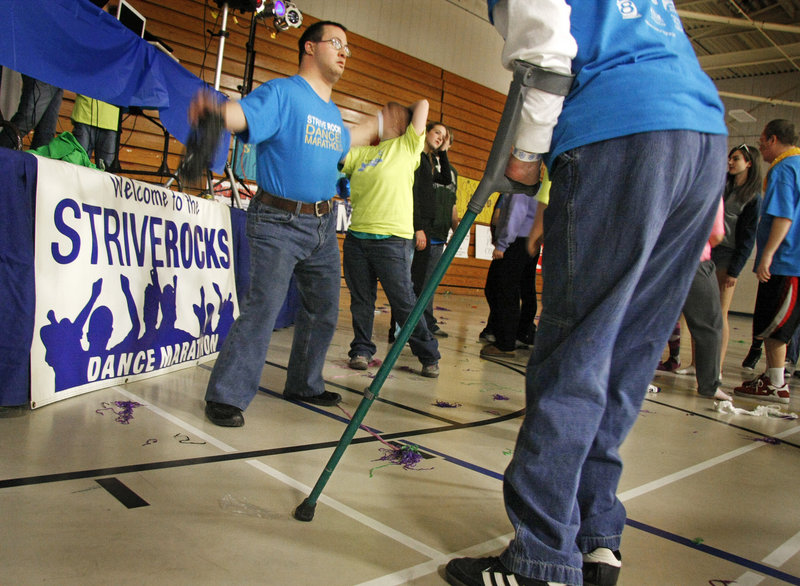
(132, 280)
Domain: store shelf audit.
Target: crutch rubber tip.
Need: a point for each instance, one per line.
(305, 511)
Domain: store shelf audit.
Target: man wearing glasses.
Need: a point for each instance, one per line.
(777, 312)
(300, 140)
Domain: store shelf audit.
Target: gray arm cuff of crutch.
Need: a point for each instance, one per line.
(546, 80)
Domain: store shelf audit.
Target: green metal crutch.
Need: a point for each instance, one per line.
(494, 180)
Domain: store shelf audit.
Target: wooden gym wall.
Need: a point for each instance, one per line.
(374, 75)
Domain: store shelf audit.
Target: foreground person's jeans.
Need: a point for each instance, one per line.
(282, 244)
(623, 233)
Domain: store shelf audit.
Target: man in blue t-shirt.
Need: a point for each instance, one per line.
(777, 312)
(300, 140)
(636, 155)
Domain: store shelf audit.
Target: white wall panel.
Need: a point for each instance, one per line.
(447, 33)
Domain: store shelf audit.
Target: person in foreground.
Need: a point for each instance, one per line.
(636, 154)
(777, 266)
(300, 140)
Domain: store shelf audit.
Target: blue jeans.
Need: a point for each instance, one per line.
(282, 244)
(626, 223)
(366, 262)
(98, 141)
(38, 109)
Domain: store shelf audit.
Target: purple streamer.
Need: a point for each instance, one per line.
(407, 456)
(125, 413)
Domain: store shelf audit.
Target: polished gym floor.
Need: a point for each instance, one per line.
(132, 485)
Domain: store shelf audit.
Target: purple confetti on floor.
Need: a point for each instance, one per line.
(446, 404)
(406, 456)
(499, 397)
(125, 413)
(441, 309)
(767, 440)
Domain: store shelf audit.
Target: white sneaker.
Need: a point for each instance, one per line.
(601, 567)
(690, 370)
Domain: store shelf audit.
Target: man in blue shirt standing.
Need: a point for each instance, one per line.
(300, 140)
(777, 312)
(636, 155)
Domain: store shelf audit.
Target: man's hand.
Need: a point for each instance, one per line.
(522, 172)
(729, 282)
(202, 102)
(205, 101)
(422, 241)
(762, 271)
(536, 235)
(497, 254)
(777, 233)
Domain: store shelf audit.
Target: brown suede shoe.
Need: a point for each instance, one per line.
(492, 351)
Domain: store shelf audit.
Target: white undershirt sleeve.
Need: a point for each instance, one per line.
(537, 31)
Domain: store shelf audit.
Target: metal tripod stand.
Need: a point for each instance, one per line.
(223, 35)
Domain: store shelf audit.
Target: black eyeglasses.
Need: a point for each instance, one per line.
(337, 44)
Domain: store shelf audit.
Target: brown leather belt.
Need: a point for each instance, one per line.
(319, 208)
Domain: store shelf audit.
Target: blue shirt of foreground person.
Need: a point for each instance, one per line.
(300, 140)
(636, 154)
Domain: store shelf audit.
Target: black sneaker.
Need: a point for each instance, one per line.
(325, 399)
(481, 571)
(601, 567)
(752, 358)
(224, 415)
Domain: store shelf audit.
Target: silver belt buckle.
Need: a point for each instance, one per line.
(318, 208)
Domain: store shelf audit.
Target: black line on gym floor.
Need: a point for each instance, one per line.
(122, 493)
(75, 475)
(719, 553)
(726, 423)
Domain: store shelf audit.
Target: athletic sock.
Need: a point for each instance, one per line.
(775, 376)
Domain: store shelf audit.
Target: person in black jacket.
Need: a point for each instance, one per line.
(742, 205)
(435, 183)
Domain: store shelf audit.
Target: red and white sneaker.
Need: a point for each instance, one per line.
(762, 388)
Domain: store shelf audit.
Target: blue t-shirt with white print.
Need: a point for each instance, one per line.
(636, 72)
(300, 139)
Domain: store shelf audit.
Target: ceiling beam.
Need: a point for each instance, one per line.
(773, 101)
(749, 57)
(742, 22)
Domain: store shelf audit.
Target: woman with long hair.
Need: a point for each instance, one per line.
(742, 205)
